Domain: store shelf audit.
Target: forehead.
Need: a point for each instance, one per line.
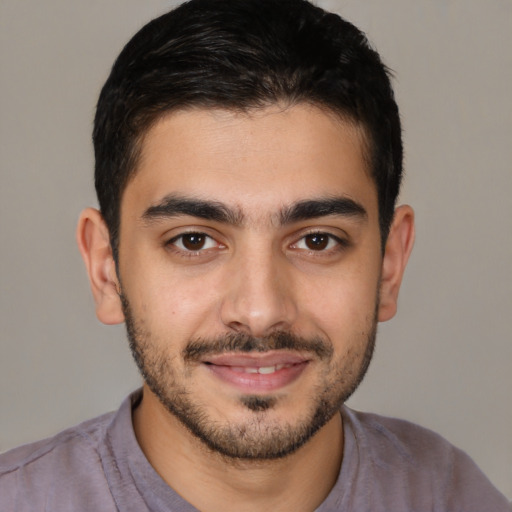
(256, 162)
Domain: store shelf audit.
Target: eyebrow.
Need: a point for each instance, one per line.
(176, 206)
(323, 207)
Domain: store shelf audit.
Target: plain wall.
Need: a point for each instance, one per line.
(443, 362)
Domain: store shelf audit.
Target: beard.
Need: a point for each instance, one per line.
(260, 437)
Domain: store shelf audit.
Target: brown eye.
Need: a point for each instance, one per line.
(193, 242)
(317, 241)
(320, 242)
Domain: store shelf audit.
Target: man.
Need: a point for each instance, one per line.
(248, 160)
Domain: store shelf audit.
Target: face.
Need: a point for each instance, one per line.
(249, 266)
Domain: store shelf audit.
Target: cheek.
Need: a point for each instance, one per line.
(343, 313)
(170, 304)
(342, 303)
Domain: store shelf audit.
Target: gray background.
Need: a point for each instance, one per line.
(444, 362)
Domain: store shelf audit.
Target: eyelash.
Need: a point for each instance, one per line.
(173, 242)
(340, 244)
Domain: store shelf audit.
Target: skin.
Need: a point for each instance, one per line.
(258, 271)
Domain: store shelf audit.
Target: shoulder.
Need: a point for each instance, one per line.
(399, 439)
(413, 462)
(86, 436)
(32, 474)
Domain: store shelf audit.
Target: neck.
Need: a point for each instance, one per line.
(298, 482)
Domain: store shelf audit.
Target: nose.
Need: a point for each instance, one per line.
(259, 295)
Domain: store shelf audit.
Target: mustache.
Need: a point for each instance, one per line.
(244, 343)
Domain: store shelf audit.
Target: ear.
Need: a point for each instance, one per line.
(398, 249)
(94, 243)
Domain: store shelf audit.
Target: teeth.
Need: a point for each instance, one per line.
(263, 370)
(267, 369)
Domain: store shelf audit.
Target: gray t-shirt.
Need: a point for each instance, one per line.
(388, 465)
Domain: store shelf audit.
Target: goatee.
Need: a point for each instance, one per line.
(260, 436)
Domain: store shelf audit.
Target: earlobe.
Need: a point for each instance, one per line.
(398, 249)
(94, 243)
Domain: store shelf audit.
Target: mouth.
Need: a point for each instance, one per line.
(262, 370)
(257, 373)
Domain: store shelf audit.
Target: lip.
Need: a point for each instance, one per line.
(257, 373)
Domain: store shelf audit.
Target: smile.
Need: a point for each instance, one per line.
(257, 373)
(264, 370)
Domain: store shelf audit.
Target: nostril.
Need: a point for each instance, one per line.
(238, 327)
